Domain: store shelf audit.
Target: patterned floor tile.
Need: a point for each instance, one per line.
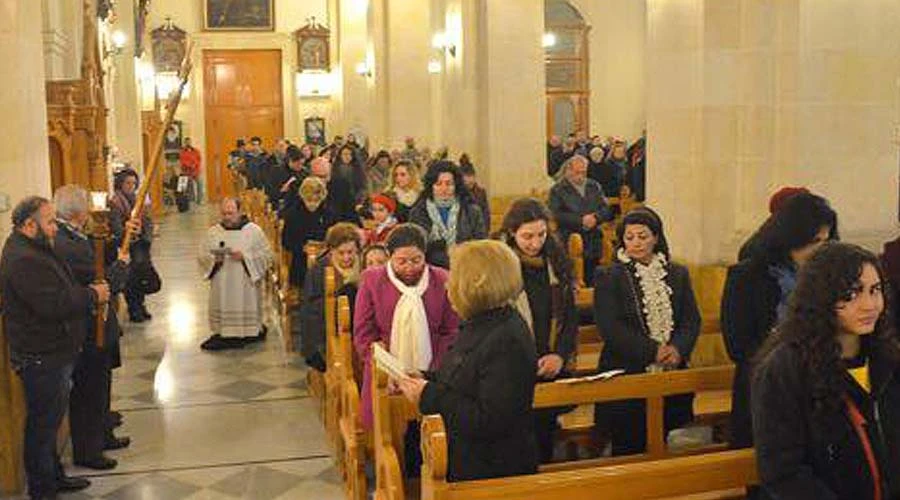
(244, 389)
(153, 487)
(259, 482)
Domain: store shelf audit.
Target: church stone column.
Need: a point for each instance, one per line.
(24, 159)
(745, 96)
(511, 105)
(408, 82)
(126, 94)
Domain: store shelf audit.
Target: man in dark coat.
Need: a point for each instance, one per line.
(257, 162)
(92, 374)
(45, 312)
(579, 206)
(556, 156)
(340, 198)
(286, 179)
(479, 194)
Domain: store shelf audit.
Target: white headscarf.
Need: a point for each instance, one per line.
(410, 337)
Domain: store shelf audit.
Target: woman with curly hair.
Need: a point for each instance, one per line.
(547, 301)
(826, 397)
(646, 311)
(447, 212)
(757, 290)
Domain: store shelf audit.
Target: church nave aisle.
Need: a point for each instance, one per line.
(232, 424)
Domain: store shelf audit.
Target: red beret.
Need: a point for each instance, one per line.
(782, 195)
(387, 201)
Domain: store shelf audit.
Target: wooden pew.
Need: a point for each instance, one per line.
(351, 451)
(725, 472)
(393, 413)
(657, 473)
(12, 422)
(317, 381)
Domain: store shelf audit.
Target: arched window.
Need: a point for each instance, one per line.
(566, 56)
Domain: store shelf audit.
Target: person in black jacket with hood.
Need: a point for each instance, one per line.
(757, 290)
(646, 311)
(484, 388)
(826, 392)
(45, 312)
(547, 302)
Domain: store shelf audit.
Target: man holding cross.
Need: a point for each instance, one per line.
(92, 374)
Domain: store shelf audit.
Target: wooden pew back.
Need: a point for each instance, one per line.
(351, 451)
(392, 414)
(666, 478)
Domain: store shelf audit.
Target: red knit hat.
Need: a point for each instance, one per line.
(777, 201)
(385, 200)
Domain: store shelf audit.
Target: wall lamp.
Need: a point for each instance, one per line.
(363, 69)
(440, 41)
(118, 39)
(548, 40)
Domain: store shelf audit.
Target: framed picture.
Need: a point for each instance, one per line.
(313, 47)
(172, 141)
(315, 130)
(239, 15)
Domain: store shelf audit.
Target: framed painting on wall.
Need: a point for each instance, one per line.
(314, 130)
(239, 15)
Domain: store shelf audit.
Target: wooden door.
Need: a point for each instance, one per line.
(242, 98)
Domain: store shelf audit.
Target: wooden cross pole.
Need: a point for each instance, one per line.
(156, 149)
(100, 233)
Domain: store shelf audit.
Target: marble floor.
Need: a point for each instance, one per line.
(227, 425)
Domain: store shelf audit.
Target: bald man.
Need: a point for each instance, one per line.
(235, 258)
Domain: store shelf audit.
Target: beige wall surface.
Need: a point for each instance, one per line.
(617, 41)
(24, 158)
(745, 96)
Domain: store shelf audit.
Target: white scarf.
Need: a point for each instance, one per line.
(657, 300)
(410, 337)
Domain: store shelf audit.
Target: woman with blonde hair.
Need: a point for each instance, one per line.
(342, 246)
(485, 387)
(405, 186)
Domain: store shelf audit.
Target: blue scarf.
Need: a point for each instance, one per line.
(786, 276)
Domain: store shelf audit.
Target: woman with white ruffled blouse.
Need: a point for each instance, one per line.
(646, 312)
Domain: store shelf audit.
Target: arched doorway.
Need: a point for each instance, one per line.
(566, 63)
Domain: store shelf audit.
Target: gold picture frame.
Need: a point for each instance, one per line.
(238, 15)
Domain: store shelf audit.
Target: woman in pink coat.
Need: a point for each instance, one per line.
(408, 297)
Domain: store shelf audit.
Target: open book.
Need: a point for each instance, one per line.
(389, 363)
(590, 378)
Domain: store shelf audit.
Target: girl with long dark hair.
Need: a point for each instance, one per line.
(547, 301)
(826, 398)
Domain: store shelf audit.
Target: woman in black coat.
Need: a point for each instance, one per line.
(304, 222)
(447, 212)
(485, 387)
(547, 302)
(757, 290)
(342, 247)
(350, 167)
(645, 309)
(826, 393)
